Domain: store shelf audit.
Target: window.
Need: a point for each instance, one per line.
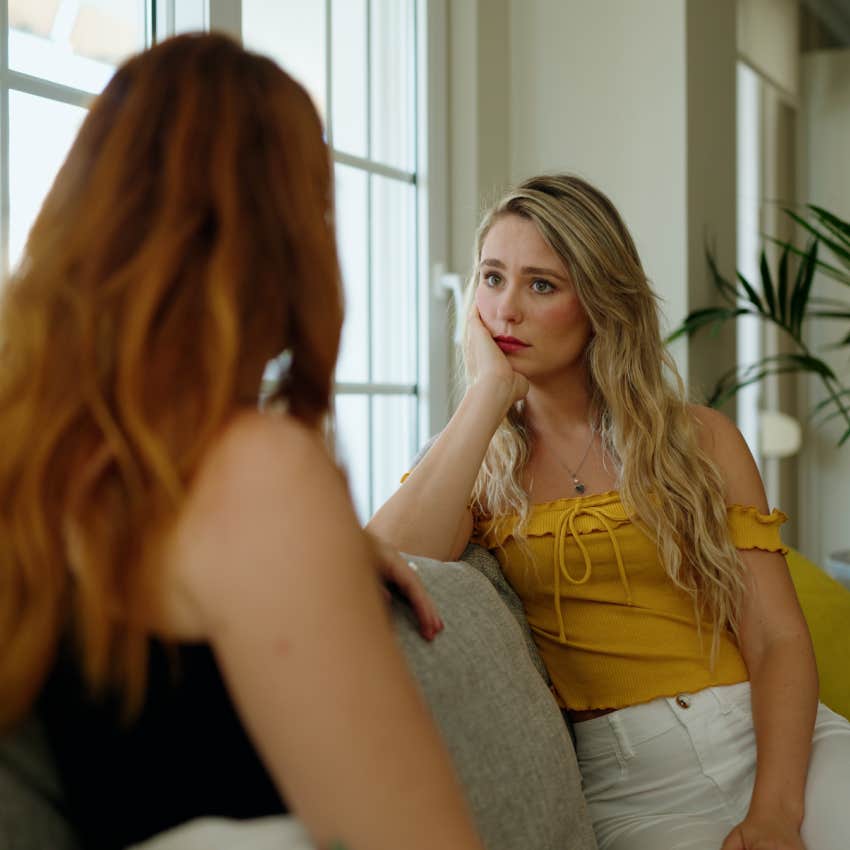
(361, 61)
(55, 56)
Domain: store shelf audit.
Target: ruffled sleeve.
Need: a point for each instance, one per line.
(750, 529)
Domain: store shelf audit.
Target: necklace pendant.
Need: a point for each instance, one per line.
(580, 488)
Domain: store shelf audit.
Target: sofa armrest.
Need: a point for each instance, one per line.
(486, 564)
(507, 737)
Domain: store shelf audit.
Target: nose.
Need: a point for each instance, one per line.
(508, 307)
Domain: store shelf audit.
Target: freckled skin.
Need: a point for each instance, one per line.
(541, 309)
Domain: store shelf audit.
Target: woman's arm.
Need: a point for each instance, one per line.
(429, 515)
(777, 650)
(271, 559)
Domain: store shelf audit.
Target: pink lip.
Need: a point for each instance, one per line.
(510, 344)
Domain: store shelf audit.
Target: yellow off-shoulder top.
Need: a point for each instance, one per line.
(612, 629)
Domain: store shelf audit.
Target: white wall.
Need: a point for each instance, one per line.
(824, 171)
(639, 99)
(769, 40)
(479, 110)
(599, 89)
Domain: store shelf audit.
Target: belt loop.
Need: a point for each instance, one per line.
(624, 747)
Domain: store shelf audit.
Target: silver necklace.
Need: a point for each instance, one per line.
(577, 483)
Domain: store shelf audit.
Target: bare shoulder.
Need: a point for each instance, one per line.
(720, 439)
(263, 467)
(256, 447)
(716, 432)
(263, 499)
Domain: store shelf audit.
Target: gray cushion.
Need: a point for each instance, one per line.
(483, 561)
(30, 797)
(510, 745)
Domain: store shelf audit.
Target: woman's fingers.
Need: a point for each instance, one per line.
(397, 570)
(412, 588)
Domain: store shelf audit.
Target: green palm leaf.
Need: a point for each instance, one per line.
(727, 389)
(841, 343)
(839, 411)
(841, 251)
(829, 314)
(767, 286)
(839, 224)
(802, 288)
(837, 227)
(782, 280)
(726, 289)
(777, 364)
(787, 301)
(831, 271)
(713, 316)
(752, 295)
(829, 401)
(828, 302)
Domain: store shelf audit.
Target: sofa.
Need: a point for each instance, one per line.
(487, 690)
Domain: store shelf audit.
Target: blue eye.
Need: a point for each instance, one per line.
(492, 279)
(542, 286)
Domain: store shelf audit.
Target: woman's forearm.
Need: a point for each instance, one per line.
(424, 516)
(784, 702)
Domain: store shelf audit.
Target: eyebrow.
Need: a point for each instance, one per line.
(498, 264)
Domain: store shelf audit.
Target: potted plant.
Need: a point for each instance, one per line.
(786, 301)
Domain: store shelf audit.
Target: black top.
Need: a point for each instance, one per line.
(185, 755)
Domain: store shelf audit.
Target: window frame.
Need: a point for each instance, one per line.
(159, 23)
(431, 385)
(429, 177)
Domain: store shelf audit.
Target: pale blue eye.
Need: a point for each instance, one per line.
(492, 279)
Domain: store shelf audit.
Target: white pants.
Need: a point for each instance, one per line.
(677, 773)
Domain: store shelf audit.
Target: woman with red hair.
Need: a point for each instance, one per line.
(185, 593)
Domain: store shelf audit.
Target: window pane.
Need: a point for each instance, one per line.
(77, 43)
(349, 69)
(190, 15)
(34, 158)
(292, 32)
(352, 447)
(393, 282)
(392, 83)
(394, 431)
(352, 228)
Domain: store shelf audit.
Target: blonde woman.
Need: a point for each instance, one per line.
(635, 529)
(185, 593)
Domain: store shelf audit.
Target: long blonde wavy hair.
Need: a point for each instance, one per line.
(187, 240)
(638, 402)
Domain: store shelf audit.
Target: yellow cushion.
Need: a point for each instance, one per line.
(826, 606)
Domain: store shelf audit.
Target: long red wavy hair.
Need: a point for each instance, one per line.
(187, 239)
